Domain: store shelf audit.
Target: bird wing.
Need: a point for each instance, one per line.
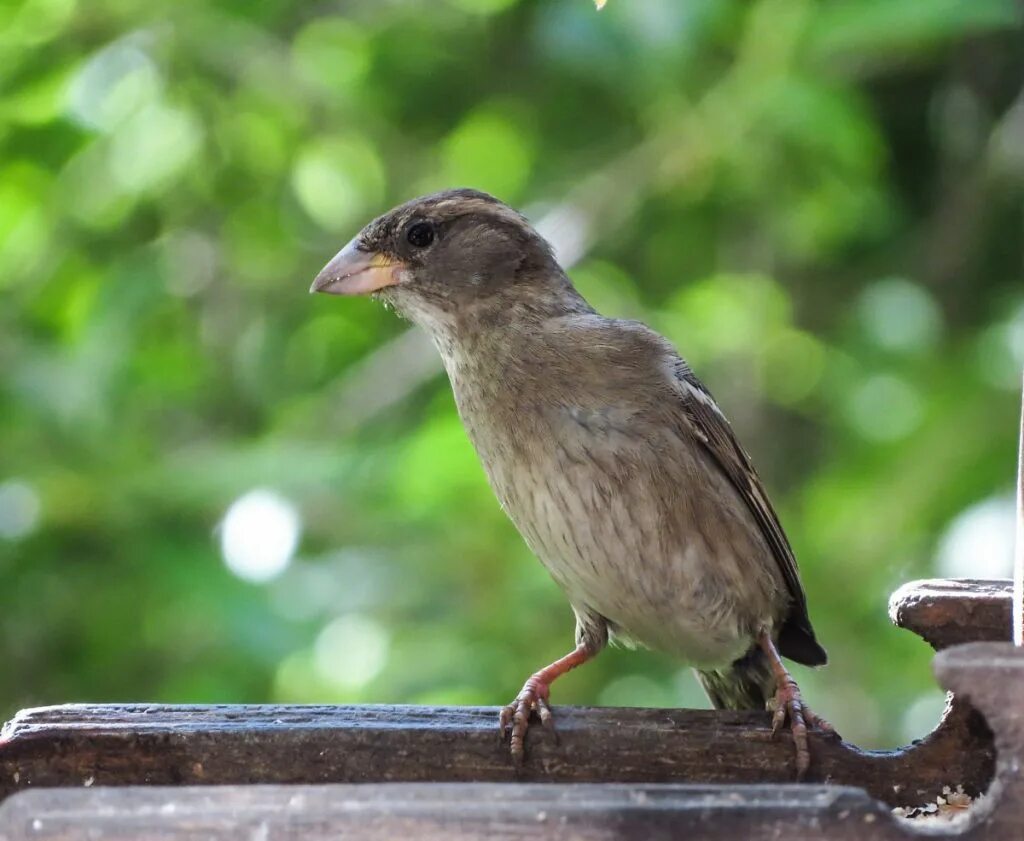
(712, 429)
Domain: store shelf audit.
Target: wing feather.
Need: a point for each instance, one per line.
(711, 428)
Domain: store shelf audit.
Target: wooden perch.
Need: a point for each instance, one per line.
(125, 745)
(991, 673)
(639, 755)
(154, 744)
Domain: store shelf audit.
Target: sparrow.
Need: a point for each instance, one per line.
(611, 458)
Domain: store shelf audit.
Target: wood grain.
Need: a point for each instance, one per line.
(89, 746)
(175, 745)
(953, 611)
(444, 812)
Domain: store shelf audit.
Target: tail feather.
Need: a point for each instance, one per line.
(796, 641)
(747, 684)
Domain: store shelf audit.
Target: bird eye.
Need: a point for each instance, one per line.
(420, 235)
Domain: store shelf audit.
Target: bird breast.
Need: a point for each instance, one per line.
(627, 514)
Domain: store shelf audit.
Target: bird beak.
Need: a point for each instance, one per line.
(354, 271)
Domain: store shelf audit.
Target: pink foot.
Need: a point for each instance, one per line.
(533, 697)
(788, 706)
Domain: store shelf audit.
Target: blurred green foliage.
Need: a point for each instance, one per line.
(819, 202)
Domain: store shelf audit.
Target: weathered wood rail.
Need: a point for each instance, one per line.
(611, 772)
(124, 745)
(442, 812)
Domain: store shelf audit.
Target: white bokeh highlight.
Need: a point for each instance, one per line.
(259, 535)
(979, 542)
(116, 81)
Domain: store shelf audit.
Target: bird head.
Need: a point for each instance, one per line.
(447, 258)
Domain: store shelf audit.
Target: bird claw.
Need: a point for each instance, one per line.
(504, 720)
(788, 705)
(778, 717)
(514, 718)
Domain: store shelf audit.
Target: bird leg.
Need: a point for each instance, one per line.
(534, 697)
(788, 704)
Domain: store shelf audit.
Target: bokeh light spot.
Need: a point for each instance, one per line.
(113, 84)
(884, 408)
(153, 147)
(190, 261)
(335, 181)
(331, 53)
(259, 535)
(19, 509)
(1000, 351)
(350, 651)
(900, 315)
(489, 152)
(24, 227)
(979, 542)
(37, 21)
(793, 365)
(726, 314)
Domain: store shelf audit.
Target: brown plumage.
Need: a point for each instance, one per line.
(609, 455)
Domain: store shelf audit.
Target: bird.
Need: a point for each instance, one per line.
(609, 455)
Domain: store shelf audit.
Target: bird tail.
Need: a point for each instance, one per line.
(746, 684)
